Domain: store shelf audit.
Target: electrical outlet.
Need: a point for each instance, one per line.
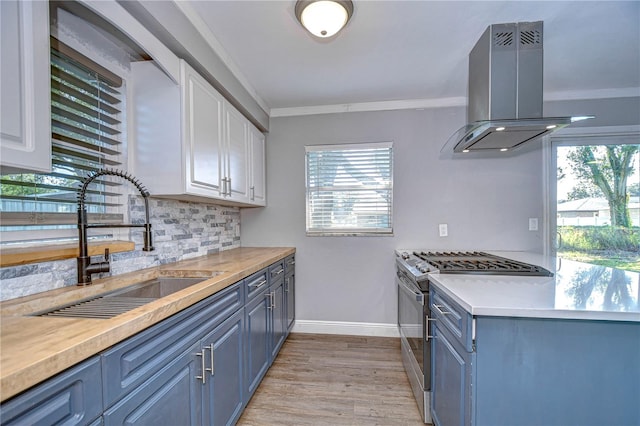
(443, 229)
(533, 224)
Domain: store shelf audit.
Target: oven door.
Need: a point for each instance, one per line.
(412, 325)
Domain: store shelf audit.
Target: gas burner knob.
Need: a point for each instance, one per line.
(405, 255)
(422, 268)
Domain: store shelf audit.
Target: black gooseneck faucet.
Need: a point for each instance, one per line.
(85, 267)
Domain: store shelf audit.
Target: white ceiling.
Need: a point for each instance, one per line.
(417, 50)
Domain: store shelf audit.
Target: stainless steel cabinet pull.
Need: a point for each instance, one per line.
(286, 286)
(210, 347)
(226, 186)
(270, 305)
(292, 262)
(256, 286)
(278, 272)
(253, 193)
(203, 377)
(438, 309)
(273, 299)
(427, 333)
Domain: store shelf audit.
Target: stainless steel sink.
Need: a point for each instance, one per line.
(156, 288)
(108, 305)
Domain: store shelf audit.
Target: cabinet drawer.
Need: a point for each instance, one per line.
(73, 397)
(256, 284)
(276, 271)
(451, 316)
(130, 363)
(290, 265)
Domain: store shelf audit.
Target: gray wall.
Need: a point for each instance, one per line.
(485, 202)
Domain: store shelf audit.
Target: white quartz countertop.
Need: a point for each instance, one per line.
(576, 291)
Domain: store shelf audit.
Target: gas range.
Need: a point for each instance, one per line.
(419, 263)
(414, 311)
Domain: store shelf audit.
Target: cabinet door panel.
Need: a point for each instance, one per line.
(238, 154)
(25, 118)
(258, 178)
(222, 397)
(279, 319)
(257, 342)
(203, 128)
(290, 289)
(73, 397)
(171, 397)
(451, 386)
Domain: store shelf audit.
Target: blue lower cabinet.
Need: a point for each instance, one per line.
(171, 397)
(278, 317)
(532, 371)
(130, 363)
(257, 341)
(451, 380)
(223, 386)
(290, 290)
(290, 296)
(198, 367)
(73, 397)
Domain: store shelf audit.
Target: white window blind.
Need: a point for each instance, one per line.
(86, 110)
(349, 189)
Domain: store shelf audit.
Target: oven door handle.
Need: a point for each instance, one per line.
(417, 294)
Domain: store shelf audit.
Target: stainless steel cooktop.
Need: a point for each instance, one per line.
(421, 262)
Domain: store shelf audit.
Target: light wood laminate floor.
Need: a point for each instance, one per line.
(334, 380)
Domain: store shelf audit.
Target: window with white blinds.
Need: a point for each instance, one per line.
(86, 114)
(349, 189)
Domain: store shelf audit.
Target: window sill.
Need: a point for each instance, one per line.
(14, 256)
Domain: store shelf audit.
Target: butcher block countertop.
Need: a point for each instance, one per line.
(32, 348)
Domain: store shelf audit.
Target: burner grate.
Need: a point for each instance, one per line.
(476, 262)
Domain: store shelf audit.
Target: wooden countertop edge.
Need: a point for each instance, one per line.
(59, 343)
(14, 256)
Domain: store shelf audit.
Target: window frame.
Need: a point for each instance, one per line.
(347, 232)
(570, 137)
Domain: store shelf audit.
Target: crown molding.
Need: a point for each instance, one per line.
(579, 95)
(369, 106)
(444, 102)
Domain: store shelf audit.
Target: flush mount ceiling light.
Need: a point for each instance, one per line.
(323, 18)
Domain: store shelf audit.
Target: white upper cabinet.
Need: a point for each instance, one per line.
(203, 133)
(191, 143)
(25, 120)
(236, 151)
(257, 187)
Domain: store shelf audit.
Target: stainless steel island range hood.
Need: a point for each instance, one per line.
(505, 92)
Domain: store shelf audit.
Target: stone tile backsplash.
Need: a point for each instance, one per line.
(181, 230)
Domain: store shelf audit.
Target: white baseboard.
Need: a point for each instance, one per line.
(348, 328)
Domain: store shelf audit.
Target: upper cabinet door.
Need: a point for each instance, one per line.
(25, 124)
(237, 147)
(257, 189)
(204, 135)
